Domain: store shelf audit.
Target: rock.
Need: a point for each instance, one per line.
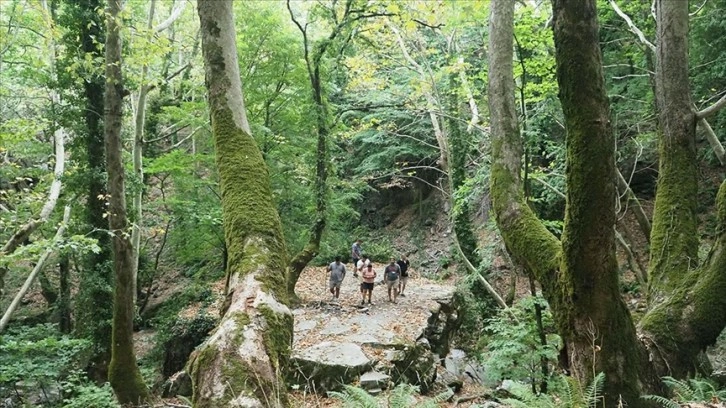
(374, 380)
(443, 322)
(375, 391)
(327, 366)
(178, 384)
(304, 325)
(414, 364)
(449, 380)
(185, 335)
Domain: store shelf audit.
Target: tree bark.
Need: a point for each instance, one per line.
(593, 320)
(687, 301)
(579, 275)
(138, 153)
(674, 237)
(124, 374)
(84, 38)
(243, 362)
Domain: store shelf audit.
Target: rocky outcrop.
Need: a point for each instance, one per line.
(336, 343)
(328, 366)
(444, 321)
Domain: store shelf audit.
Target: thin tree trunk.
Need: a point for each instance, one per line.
(640, 216)
(124, 374)
(64, 300)
(36, 270)
(243, 362)
(138, 153)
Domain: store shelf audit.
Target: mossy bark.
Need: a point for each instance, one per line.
(579, 275)
(124, 374)
(687, 301)
(593, 320)
(690, 318)
(84, 31)
(674, 237)
(526, 238)
(242, 361)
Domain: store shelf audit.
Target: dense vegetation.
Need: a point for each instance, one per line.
(136, 181)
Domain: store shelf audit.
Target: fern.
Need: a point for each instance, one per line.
(438, 399)
(662, 401)
(354, 397)
(594, 390)
(402, 396)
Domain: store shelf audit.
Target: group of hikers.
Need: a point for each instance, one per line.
(395, 275)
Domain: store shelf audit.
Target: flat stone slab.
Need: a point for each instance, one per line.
(329, 365)
(373, 380)
(342, 354)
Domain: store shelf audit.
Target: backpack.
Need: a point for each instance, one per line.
(391, 272)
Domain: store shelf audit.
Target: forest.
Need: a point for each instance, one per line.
(181, 180)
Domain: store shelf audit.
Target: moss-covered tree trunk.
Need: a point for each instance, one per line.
(593, 319)
(579, 275)
(674, 236)
(244, 360)
(85, 37)
(124, 374)
(687, 301)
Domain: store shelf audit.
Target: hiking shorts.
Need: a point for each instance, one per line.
(334, 284)
(392, 284)
(366, 286)
(404, 280)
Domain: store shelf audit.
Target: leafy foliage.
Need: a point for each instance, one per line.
(692, 390)
(514, 348)
(402, 396)
(569, 393)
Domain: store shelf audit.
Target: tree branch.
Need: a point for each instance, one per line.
(36, 270)
(713, 141)
(713, 109)
(175, 14)
(633, 28)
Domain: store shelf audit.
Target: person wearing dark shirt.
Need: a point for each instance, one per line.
(403, 264)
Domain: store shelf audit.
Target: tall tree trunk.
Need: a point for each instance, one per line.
(65, 323)
(138, 153)
(674, 237)
(458, 144)
(593, 320)
(302, 258)
(244, 360)
(83, 20)
(124, 374)
(579, 276)
(687, 302)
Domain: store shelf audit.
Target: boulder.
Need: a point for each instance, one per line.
(327, 366)
(411, 363)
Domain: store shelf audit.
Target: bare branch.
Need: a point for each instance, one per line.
(713, 141)
(713, 109)
(175, 14)
(633, 28)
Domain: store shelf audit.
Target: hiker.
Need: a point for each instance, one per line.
(337, 274)
(391, 275)
(369, 277)
(362, 263)
(403, 264)
(355, 253)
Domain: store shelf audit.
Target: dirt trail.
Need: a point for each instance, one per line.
(319, 319)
